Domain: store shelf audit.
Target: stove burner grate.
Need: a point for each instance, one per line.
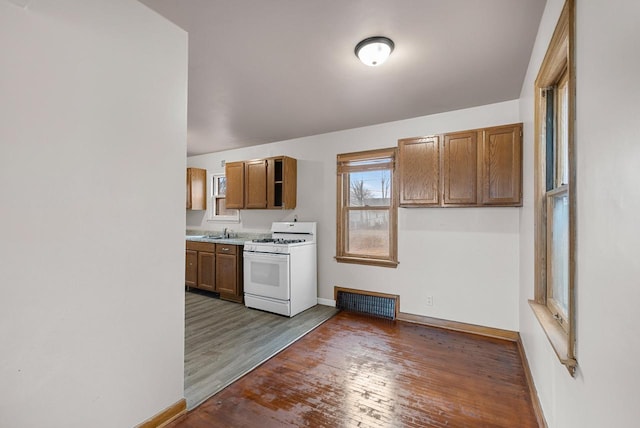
(278, 241)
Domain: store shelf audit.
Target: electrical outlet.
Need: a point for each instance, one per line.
(429, 301)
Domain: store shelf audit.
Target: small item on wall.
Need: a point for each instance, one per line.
(223, 163)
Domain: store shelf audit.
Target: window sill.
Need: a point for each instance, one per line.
(366, 261)
(558, 338)
(223, 218)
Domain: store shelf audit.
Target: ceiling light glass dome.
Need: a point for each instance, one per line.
(374, 51)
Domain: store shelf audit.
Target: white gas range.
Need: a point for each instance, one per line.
(280, 273)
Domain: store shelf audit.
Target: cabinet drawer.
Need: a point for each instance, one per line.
(226, 249)
(201, 246)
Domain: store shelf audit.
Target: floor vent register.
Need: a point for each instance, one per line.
(379, 305)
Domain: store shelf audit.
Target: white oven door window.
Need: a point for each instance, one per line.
(267, 275)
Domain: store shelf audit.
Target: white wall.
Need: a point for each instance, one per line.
(604, 392)
(92, 157)
(466, 258)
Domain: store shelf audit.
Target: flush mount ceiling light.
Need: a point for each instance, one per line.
(373, 51)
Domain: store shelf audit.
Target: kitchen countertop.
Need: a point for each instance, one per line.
(230, 241)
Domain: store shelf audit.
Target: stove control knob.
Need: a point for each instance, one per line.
(276, 249)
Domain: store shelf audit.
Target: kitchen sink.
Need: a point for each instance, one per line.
(205, 237)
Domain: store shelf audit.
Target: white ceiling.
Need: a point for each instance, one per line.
(271, 70)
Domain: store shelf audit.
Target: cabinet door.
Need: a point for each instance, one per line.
(256, 186)
(460, 168)
(289, 182)
(502, 165)
(419, 171)
(234, 172)
(196, 189)
(206, 270)
(191, 268)
(226, 274)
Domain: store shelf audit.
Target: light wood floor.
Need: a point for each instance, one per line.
(357, 371)
(225, 340)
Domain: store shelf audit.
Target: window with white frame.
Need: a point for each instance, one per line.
(218, 210)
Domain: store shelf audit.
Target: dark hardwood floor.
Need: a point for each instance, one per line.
(357, 371)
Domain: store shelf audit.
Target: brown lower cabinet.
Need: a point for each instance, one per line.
(215, 267)
(191, 269)
(229, 268)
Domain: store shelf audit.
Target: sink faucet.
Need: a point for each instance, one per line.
(225, 234)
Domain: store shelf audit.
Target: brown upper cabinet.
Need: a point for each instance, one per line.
(419, 174)
(460, 168)
(480, 167)
(262, 183)
(255, 190)
(282, 177)
(196, 189)
(502, 165)
(234, 197)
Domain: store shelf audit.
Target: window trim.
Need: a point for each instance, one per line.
(213, 215)
(558, 60)
(343, 168)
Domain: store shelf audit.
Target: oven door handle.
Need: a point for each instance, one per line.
(254, 255)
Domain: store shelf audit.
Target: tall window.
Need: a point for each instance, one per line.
(367, 208)
(555, 191)
(557, 200)
(219, 211)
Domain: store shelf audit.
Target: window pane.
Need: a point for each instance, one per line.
(221, 208)
(370, 188)
(222, 186)
(562, 144)
(559, 251)
(368, 233)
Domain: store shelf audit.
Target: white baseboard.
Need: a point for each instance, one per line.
(327, 302)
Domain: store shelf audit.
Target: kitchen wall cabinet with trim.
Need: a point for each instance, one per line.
(419, 171)
(269, 183)
(234, 196)
(215, 267)
(501, 155)
(196, 189)
(255, 190)
(480, 167)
